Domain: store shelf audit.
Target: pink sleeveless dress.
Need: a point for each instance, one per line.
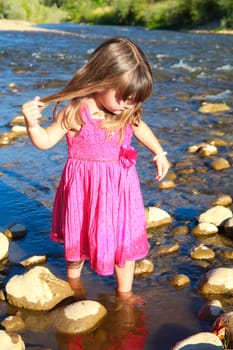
(98, 210)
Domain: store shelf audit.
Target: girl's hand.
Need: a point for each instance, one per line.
(163, 166)
(32, 111)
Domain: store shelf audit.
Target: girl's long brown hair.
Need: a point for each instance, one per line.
(119, 64)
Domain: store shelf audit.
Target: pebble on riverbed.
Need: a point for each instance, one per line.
(144, 266)
(204, 229)
(200, 341)
(15, 231)
(33, 260)
(13, 323)
(11, 341)
(202, 252)
(180, 281)
(224, 200)
(220, 164)
(214, 108)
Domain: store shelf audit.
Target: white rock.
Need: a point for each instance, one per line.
(156, 217)
(37, 289)
(19, 129)
(204, 228)
(208, 150)
(211, 310)
(217, 281)
(80, 317)
(200, 341)
(11, 342)
(4, 246)
(216, 215)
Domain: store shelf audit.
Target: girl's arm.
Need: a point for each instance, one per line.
(42, 138)
(146, 136)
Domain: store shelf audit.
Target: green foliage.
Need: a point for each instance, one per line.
(31, 11)
(226, 7)
(153, 14)
(182, 14)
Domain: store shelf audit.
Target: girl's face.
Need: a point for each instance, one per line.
(110, 101)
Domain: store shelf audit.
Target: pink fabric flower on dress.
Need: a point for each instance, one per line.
(127, 156)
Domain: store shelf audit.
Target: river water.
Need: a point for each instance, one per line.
(189, 69)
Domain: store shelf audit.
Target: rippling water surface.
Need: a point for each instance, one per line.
(189, 69)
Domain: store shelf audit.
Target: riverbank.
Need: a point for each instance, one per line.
(18, 25)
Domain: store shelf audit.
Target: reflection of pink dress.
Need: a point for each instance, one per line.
(98, 209)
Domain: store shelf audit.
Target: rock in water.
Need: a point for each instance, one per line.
(38, 289)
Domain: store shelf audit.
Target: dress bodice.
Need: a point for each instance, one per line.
(92, 143)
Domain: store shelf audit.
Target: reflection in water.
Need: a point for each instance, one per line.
(122, 329)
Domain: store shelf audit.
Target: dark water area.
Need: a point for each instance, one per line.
(189, 69)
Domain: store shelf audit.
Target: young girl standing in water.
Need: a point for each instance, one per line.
(98, 210)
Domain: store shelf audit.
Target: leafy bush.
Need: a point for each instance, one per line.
(226, 7)
(31, 11)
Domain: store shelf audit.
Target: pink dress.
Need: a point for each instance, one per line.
(98, 210)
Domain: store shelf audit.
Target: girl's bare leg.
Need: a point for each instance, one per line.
(124, 278)
(74, 269)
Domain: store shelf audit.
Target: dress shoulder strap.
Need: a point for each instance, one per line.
(85, 112)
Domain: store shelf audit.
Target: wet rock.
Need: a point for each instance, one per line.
(156, 217)
(33, 260)
(200, 341)
(15, 231)
(180, 281)
(180, 230)
(214, 108)
(223, 327)
(13, 324)
(168, 249)
(216, 215)
(202, 252)
(4, 246)
(210, 311)
(220, 164)
(197, 147)
(2, 295)
(217, 281)
(80, 317)
(11, 341)
(19, 120)
(5, 139)
(19, 130)
(228, 227)
(166, 185)
(224, 200)
(217, 142)
(208, 151)
(227, 254)
(12, 85)
(204, 229)
(171, 176)
(38, 289)
(144, 266)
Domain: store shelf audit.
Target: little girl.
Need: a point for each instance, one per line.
(98, 210)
